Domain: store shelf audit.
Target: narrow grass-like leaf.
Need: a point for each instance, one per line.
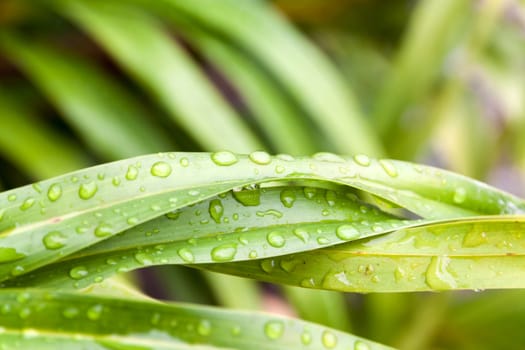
(77, 210)
(478, 253)
(133, 38)
(101, 111)
(33, 146)
(45, 320)
(298, 64)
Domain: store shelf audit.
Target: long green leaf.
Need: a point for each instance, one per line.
(139, 43)
(45, 320)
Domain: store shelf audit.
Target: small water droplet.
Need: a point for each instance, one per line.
(362, 159)
(24, 313)
(260, 157)
(225, 252)
(399, 273)
(224, 158)
(132, 173)
(115, 181)
(143, 259)
(279, 169)
(328, 157)
(347, 232)
(54, 240)
(306, 337)
(95, 312)
(103, 230)
(78, 272)
(474, 238)
(10, 254)
(216, 210)
(388, 167)
(204, 328)
(274, 329)
(161, 169)
(87, 190)
(70, 312)
(322, 240)
(302, 234)
(184, 162)
(54, 192)
(186, 255)
(460, 194)
(271, 212)
(268, 265)
(309, 192)
(28, 203)
(155, 319)
(17, 270)
(287, 198)
(329, 340)
(252, 254)
(359, 345)
(11, 197)
(276, 239)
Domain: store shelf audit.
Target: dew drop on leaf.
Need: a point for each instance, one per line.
(103, 230)
(87, 190)
(460, 194)
(276, 239)
(306, 338)
(347, 232)
(359, 345)
(216, 210)
(260, 157)
(54, 192)
(184, 162)
(362, 159)
(287, 198)
(78, 272)
(224, 158)
(186, 255)
(204, 328)
(132, 173)
(388, 167)
(225, 252)
(70, 312)
(54, 240)
(438, 276)
(329, 340)
(161, 169)
(302, 234)
(274, 329)
(95, 312)
(10, 254)
(28, 203)
(143, 259)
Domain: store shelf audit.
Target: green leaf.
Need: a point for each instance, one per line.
(134, 38)
(45, 320)
(99, 109)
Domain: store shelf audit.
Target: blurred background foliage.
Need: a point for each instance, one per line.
(440, 82)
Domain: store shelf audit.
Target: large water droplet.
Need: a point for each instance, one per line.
(248, 197)
(103, 230)
(27, 203)
(216, 210)
(276, 239)
(10, 254)
(287, 198)
(78, 272)
(460, 194)
(54, 240)
(329, 340)
(54, 192)
(274, 329)
(347, 232)
(260, 157)
(204, 327)
(388, 167)
(95, 312)
(132, 173)
(186, 255)
(87, 190)
(362, 159)
(161, 169)
(438, 276)
(224, 158)
(225, 252)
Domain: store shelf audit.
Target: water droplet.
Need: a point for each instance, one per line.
(132, 173)
(330, 197)
(438, 276)
(224, 158)
(204, 327)
(399, 273)
(143, 259)
(184, 162)
(248, 197)
(271, 212)
(359, 345)
(252, 254)
(103, 230)
(276, 239)
(24, 313)
(78, 272)
(322, 240)
(309, 192)
(216, 210)
(260, 157)
(287, 198)
(236, 330)
(362, 159)
(10, 254)
(173, 215)
(28, 203)
(302, 234)
(279, 169)
(474, 238)
(18, 270)
(329, 340)
(460, 194)
(70, 312)
(306, 337)
(11, 197)
(95, 312)
(347, 232)
(328, 157)
(388, 167)
(155, 319)
(54, 192)
(87, 190)
(161, 169)
(268, 265)
(186, 255)
(54, 240)
(274, 329)
(225, 252)
(115, 181)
